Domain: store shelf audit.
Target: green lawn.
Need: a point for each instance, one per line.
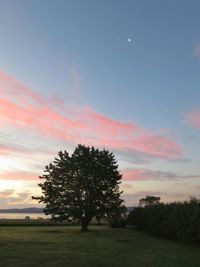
(102, 246)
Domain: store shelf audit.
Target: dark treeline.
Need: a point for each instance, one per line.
(177, 220)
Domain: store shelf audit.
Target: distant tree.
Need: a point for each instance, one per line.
(149, 200)
(81, 186)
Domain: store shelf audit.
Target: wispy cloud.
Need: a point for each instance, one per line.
(147, 174)
(197, 50)
(7, 148)
(18, 175)
(193, 119)
(6, 193)
(125, 136)
(17, 91)
(30, 112)
(11, 198)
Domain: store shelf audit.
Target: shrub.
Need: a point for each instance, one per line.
(180, 221)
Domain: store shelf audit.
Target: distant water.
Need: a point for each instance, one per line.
(23, 215)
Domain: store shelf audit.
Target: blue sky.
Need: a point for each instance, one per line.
(78, 51)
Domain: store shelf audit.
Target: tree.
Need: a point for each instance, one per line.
(149, 200)
(81, 186)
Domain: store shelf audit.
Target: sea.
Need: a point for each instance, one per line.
(23, 215)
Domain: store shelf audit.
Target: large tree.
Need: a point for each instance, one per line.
(81, 186)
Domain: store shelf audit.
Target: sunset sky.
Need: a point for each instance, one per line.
(69, 74)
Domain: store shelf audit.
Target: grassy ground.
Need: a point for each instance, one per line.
(102, 246)
(32, 222)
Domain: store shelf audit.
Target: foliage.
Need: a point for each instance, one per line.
(81, 186)
(149, 200)
(180, 221)
(118, 219)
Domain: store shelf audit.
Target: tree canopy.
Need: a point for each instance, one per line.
(81, 186)
(149, 200)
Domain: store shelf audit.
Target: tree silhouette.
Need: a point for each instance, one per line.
(81, 186)
(149, 200)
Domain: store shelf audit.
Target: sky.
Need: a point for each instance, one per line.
(120, 75)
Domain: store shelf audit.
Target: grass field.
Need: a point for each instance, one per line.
(102, 246)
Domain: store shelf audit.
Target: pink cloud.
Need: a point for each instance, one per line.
(157, 146)
(10, 87)
(5, 151)
(29, 111)
(41, 119)
(106, 127)
(193, 119)
(134, 174)
(127, 136)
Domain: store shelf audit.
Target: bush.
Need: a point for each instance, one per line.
(180, 221)
(119, 217)
(118, 222)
